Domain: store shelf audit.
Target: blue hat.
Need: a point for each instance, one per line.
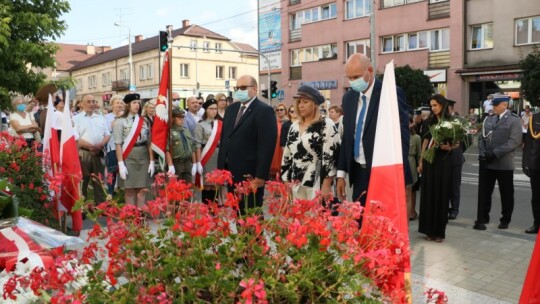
(311, 93)
(497, 99)
(131, 97)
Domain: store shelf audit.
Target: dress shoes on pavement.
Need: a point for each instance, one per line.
(452, 216)
(503, 226)
(478, 226)
(532, 230)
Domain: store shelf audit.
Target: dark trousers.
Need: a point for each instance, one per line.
(486, 184)
(112, 169)
(360, 182)
(92, 168)
(535, 200)
(456, 188)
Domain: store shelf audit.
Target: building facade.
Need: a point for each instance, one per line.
(203, 62)
(462, 46)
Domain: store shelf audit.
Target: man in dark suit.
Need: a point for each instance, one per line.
(361, 108)
(531, 167)
(248, 138)
(501, 135)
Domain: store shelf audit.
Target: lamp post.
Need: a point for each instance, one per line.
(130, 60)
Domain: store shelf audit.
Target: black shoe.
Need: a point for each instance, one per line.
(503, 226)
(452, 216)
(532, 230)
(479, 227)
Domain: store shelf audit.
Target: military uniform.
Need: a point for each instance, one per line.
(531, 167)
(501, 135)
(183, 147)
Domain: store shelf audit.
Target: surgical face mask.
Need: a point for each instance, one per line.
(241, 95)
(21, 107)
(359, 85)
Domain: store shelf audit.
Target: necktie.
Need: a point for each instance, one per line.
(242, 108)
(359, 123)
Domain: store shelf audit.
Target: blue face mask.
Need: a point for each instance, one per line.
(21, 107)
(359, 85)
(241, 95)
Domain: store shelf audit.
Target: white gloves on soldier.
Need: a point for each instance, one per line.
(152, 168)
(194, 169)
(122, 170)
(199, 168)
(171, 170)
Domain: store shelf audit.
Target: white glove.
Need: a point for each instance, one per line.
(122, 170)
(199, 168)
(194, 169)
(171, 170)
(152, 168)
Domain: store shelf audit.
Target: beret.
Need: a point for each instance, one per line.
(131, 97)
(177, 112)
(208, 103)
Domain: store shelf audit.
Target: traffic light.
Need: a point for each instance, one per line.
(163, 41)
(273, 89)
(265, 93)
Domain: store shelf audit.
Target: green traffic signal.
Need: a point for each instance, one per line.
(273, 89)
(163, 41)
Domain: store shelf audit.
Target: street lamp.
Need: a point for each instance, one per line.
(130, 60)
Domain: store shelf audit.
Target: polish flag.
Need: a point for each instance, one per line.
(386, 191)
(70, 167)
(160, 127)
(531, 287)
(51, 146)
(51, 150)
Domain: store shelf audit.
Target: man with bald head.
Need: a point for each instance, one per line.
(248, 139)
(361, 107)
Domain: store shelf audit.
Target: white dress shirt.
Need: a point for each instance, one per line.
(91, 128)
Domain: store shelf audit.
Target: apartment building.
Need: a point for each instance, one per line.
(467, 48)
(203, 62)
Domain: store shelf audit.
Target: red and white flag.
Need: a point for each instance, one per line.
(531, 287)
(386, 191)
(160, 128)
(51, 145)
(71, 167)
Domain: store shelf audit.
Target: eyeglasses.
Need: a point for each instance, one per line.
(291, 111)
(91, 101)
(212, 109)
(176, 99)
(223, 99)
(242, 88)
(281, 110)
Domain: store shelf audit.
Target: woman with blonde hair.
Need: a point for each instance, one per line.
(22, 122)
(221, 104)
(117, 110)
(311, 152)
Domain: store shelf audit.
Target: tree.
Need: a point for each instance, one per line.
(415, 84)
(530, 82)
(24, 28)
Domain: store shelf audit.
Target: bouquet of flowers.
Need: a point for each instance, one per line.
(446, 131)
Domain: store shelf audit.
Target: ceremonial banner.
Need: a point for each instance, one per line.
(160, 128)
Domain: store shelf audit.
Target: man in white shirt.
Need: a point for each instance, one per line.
(93, 134)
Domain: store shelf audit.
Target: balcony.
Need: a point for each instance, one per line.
(120, 85)
(293, 2)
(295, 35)
(439, 59)
(439, 10)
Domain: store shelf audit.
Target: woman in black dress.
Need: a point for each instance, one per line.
(436, 183)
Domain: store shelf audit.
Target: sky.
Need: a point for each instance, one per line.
(93, 21)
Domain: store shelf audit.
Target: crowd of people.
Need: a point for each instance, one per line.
(305, 143)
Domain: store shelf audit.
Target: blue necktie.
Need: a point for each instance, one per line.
(359, 123)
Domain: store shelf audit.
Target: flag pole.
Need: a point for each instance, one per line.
(169, 100)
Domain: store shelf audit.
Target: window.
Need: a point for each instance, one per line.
(359, 46)
(313, 14)
(435, 1)
(399, 43)
(219, 72)
(105, 79)
(482, 36)
(357, 8)
(232, 72)
(218, 47)
(149, 71)
(206, 46)
(388, 44)
(184, 70)
(142, 72)
(193, 45)
(440, 40)
(92, 82)
(528, 30)
(314, 53)
(423, 40)
(413, 42)
(124, 74)
(390, 3)
(79, 84)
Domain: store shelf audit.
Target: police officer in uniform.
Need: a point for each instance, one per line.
(501, 135)
(183, 147)
(531, 167)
